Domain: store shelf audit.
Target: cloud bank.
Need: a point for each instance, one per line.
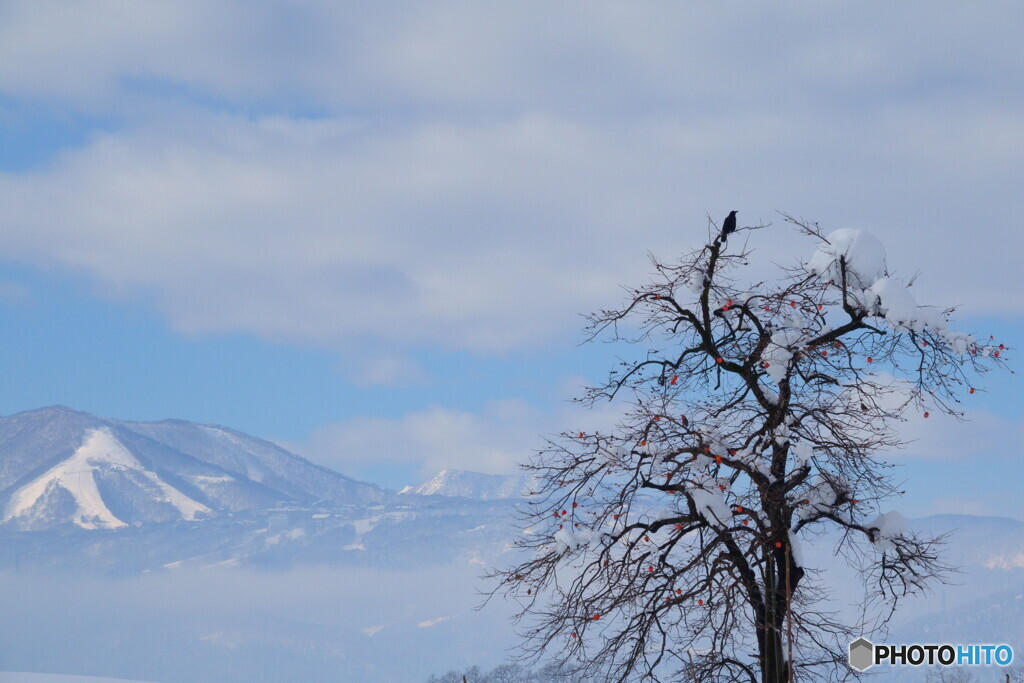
(473, 175)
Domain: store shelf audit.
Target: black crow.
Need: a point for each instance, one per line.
(729, 225)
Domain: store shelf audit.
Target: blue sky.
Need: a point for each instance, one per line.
(368, 233)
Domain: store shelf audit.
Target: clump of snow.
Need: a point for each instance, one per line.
(751, 458)
(892, 300)
(696, 282)
(796, 550)
(568, 539)
(802, 451)
(715, 441)
(869, 286)
(780, 434)
(820, 497)
(711, 506)
(862, 252)
(960, 342)
(612, 455)
(889, 526)
(648, 449)
(663, 513)
(716, 445)
(779, 352)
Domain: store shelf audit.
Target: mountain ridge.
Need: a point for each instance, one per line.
(61, 466)
(453, 483)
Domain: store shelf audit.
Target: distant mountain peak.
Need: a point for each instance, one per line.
(475, 485)
(100, 453)
(56, 409)
(60, 466)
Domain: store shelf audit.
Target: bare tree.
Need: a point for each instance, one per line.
(754, 413)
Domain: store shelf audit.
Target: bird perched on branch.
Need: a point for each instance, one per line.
(729, 225)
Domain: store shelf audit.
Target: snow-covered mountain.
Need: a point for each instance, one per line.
(104, 496)
(70, 490)
(474, 485)
(61, 467)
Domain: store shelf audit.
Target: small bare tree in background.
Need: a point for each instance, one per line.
(670, 547)
(952, 676)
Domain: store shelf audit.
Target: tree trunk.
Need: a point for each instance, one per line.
(770, 632)
(775, 668)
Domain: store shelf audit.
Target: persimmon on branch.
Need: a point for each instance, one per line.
(669, 547)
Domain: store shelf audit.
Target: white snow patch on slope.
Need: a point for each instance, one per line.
(100, 449)
(290, 535)
(362, 526)
(205, 479)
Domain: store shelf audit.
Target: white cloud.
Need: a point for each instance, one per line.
(482, 173)
(494, 440)
(384, 370)
(435, 438)
(982, 434)
(459, 55)
(486, 237)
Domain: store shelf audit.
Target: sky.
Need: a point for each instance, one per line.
(368, 231)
